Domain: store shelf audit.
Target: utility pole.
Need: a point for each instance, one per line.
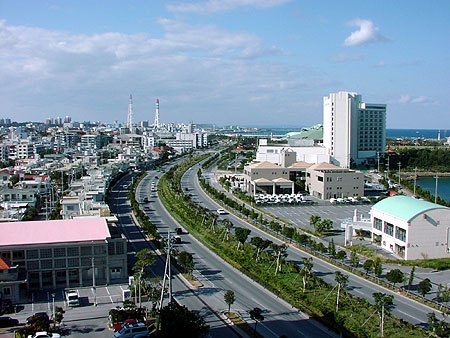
(167, 277)
(378, 159)
(399, 179)
(94, 291)
(53, 310)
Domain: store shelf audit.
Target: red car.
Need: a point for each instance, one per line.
(118, 326)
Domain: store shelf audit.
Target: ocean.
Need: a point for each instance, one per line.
(390, 133)
(429, 184)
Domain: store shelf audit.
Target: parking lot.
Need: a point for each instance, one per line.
(299, 215)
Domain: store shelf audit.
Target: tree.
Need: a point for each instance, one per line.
(438, 327)
(395, 276)
(177, 321)
(314, 220)
(424, 287)
(332, 248)
(341, 254)
(144, 258)
(354, 259)
(241, 235)
(228, 225)
(229, 298)
(382, 304)
(186, 261)
(342, 282)
(260, 245)
(368, 265)
(59, 314)
(378, 267)
(280, 252)
(306, 271)
(256, 315)
(411, 277)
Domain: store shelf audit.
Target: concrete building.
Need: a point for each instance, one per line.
(64, 253)
(411, 228)
(326, 180)
(354, 132)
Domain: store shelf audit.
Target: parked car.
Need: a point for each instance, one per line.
(72, 297)
(179, 231)
(132, 330)
(8, 322)
(45, 334)
(119, 326)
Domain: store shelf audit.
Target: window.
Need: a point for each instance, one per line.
(86, 251)
(73, 251)
(378, 224)
(400, 234)
(33, 265)
(119, 248)
(32, 254)
(72, 262)
(7, 291)
(19, 254)
(389, 229)
(59, 252)
(60, 263)
(46, 253)
(99, 250)
(46, 264)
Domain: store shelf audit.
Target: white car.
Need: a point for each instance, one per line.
(44, 334)
(222, 212)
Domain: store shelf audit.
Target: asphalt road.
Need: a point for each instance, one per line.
(404, 307)
(218, 276)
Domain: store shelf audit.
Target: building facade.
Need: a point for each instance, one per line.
(326, 180)
(410, 228)
(65, 253)
(354, 132)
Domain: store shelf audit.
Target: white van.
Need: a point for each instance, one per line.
(72, 298)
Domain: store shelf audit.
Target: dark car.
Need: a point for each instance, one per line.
(179, 231)
(8, 322)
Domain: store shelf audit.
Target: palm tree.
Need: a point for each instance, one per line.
(280, 252)
(342, 282)
(382, 303)
(306, 271)
(229, 298)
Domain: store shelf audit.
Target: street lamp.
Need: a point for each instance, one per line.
(93, 283)
(415, 180)
(53, 309)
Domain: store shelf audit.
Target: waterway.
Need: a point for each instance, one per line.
(429, 184)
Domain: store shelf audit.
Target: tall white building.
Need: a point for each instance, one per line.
(353, 131)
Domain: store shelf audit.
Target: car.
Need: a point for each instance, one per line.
(72, 297)
(44, 334)
(179, 231)
(132, 330)
(119, 326)
(8, 322)
(145, 199)
(177, 239)
(222, 212)
(146, 208)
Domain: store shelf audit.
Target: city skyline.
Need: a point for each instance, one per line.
(230, 62)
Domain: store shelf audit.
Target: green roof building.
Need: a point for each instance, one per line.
(411, 228)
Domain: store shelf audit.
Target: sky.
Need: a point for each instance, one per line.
(224, 62)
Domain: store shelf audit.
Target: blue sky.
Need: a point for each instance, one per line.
(228, 62)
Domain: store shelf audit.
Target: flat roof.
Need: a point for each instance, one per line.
(405, 207)
(54, 231)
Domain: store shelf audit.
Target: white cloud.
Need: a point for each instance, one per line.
(415, 99)
(212, 6)
(191, 68)
(367, 32)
